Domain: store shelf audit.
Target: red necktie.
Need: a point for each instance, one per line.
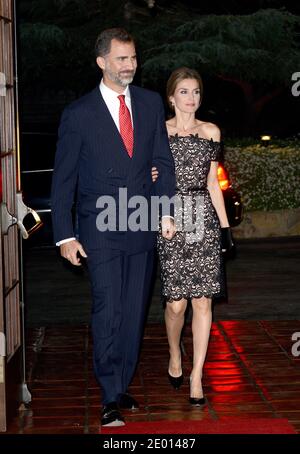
(126, 129)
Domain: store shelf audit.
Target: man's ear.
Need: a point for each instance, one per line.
(100, 62)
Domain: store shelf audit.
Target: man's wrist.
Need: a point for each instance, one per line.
(59, 243)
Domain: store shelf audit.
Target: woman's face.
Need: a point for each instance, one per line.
(187, 96)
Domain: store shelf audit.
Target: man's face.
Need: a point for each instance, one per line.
(119, 65)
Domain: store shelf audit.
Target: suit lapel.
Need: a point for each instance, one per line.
(110, 131)
(139, 117)
(108, 127)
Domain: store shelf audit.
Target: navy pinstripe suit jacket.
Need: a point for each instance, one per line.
(91, 160)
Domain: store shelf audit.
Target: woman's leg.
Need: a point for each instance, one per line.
(174, 318)
(201, 326)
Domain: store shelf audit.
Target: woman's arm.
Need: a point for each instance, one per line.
(213, 183)
(216, 194)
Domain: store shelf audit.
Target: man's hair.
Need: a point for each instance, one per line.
(103, 42)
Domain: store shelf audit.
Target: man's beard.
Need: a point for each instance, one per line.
(121, 79)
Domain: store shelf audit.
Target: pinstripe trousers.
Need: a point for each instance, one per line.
(120, 290)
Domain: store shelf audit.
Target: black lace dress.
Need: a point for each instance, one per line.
(191, 263)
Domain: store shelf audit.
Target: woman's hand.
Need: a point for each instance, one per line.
(167, 227)
(226, 239)
(154, 174)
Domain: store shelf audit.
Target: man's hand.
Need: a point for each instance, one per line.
(69, 251)
(167, 228)
(154, 174)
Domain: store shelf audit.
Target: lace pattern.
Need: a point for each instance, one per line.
(191, 263)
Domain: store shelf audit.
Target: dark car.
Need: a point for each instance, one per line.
(233, 203)
(37, 161)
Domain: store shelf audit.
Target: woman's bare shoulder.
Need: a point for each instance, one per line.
(211, 131)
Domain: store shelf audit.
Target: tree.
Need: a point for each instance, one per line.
(254, 55)
(257, 52)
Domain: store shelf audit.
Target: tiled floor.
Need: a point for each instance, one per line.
(250, 372)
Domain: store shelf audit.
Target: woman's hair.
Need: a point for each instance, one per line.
(177, 76)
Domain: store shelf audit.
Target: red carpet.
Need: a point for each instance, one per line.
(220, 426)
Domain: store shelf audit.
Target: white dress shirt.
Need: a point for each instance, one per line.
(113, 103)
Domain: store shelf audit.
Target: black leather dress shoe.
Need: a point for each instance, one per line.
(126, 401)
(176, 382)
(111, 416)
(197, 401)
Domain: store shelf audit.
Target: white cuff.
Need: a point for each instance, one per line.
(59, 243)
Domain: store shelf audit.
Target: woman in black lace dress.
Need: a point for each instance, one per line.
(191, 261)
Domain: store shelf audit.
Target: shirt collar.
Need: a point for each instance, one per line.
(110, 94)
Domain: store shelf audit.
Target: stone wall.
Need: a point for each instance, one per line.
(263, 224)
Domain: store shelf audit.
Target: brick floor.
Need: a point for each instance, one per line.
(250, 371)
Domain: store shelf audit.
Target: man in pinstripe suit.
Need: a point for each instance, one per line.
(99, 152)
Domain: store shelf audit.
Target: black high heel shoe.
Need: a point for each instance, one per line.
(176, 382)
(197, 401)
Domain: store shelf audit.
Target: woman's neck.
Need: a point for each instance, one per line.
(185, 121)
